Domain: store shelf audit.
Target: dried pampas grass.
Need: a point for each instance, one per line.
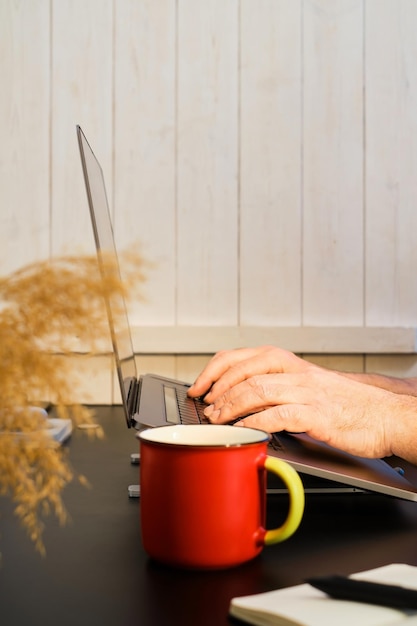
(43, 307)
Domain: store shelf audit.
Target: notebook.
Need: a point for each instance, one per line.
(303, 605)
(150, 400)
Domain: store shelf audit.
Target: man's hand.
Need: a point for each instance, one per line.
(274, 390)
(230, 367)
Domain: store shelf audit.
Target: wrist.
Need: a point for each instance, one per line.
(403, 428)
(406, 386)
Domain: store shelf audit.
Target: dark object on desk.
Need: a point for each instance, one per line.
(343, 588)
(152, 400)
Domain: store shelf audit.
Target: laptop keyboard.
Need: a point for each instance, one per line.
(190, 409)
(276, 443)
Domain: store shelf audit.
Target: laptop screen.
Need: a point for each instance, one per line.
(103, 235)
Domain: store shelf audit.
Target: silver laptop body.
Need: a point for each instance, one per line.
(151, 400)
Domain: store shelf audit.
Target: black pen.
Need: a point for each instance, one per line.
(344, 588)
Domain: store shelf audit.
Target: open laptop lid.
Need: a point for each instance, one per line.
(308, 456)
(104, 239)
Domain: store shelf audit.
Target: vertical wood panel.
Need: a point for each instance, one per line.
(82, 78)
(333, 162)
(24, 130)
(392, 365)
(91, 379)
(144, 194)
(188, 367)
(340, 362)
(270, 166)
(207, 162)
(391, 162)
(164, 365)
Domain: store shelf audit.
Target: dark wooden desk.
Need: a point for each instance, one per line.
(96, 571)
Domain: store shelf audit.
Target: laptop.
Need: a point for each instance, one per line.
(150, 400)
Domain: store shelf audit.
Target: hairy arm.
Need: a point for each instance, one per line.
(406, 386)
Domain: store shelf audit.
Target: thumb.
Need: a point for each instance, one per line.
(290, 417)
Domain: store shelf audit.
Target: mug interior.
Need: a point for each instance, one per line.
(203, 435)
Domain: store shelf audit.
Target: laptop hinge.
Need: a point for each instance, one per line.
(133, 400)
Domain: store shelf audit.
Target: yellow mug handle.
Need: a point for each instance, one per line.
(297, 500)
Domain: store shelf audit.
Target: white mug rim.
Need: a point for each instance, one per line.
(222, 435)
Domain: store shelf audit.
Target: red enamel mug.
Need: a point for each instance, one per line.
(203, 495)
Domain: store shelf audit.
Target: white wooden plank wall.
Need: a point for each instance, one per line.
(391, 163)
(263, 154)
(25, 132)
(270, 158)
(333, 154)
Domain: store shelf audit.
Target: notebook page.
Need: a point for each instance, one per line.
(303, 605)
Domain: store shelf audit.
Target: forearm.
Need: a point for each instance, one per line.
(403, 433)
(405, 386)
(402, 409)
